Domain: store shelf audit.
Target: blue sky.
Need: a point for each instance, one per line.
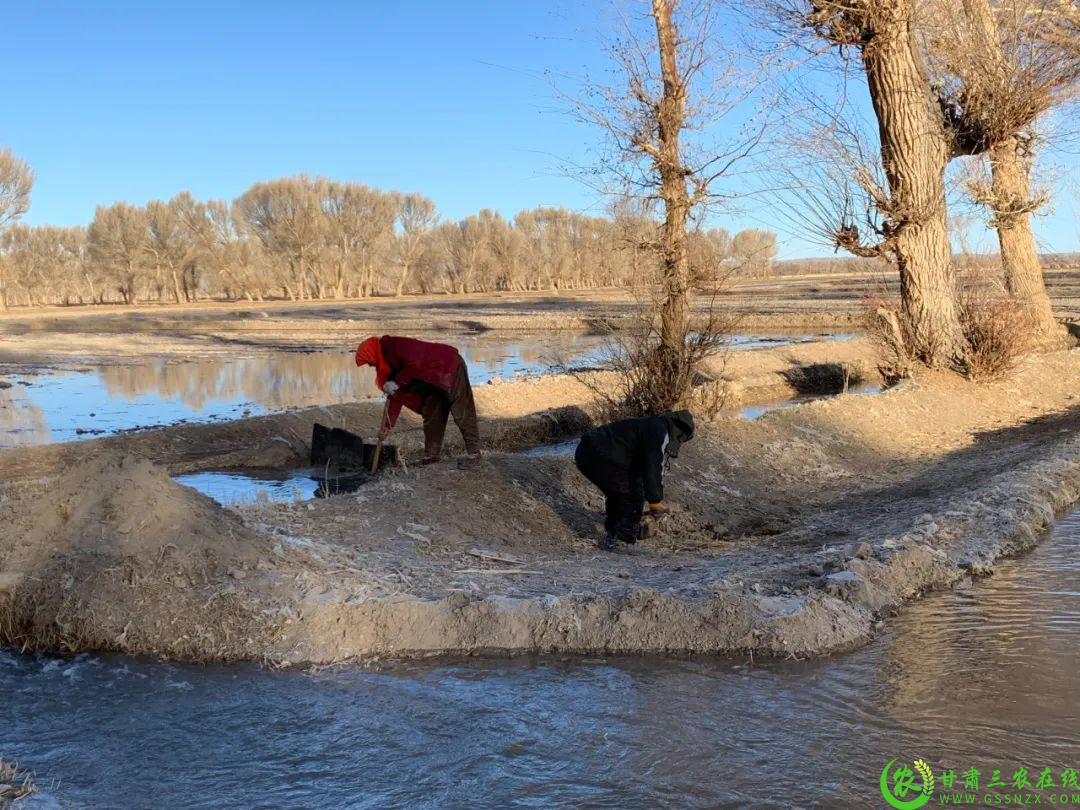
(135, 101)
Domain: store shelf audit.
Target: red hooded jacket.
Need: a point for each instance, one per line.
(403, 360)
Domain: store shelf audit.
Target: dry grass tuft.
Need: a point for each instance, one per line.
(997, 329)
(15, 783)
(651, 379)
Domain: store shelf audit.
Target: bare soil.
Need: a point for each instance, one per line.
(794, 534)
(807, 303)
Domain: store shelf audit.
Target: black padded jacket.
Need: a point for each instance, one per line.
(637, 446)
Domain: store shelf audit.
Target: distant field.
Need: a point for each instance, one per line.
(804, 301)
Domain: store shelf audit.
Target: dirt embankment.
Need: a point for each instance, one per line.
(793, 534)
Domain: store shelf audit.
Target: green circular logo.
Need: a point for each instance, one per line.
(898, 783)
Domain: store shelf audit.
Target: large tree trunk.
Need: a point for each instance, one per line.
(1019, 258)
(675, 309)
(1011, 188)
(402, 278)
(914, 154)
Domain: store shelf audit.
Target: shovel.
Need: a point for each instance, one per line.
(378, 447)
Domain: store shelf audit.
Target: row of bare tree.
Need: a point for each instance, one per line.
(302, 238)
(948, 80)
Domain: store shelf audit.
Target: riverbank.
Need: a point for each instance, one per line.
(793, 534)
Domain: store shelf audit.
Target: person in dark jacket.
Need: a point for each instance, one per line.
(625, 459)
(430, 379)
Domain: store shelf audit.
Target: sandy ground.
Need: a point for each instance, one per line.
(794, 534)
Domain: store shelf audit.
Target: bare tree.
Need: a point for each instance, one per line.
(997, 74)
(507, 249)
(466, 244)
(416, 216)
(1058, 23)
(168, 246)
(754, 249)
(344, 209)
(16, 182)
(117, 241)
(374, 233)
(217, 246)
(300, 237)
(284, 215)
(44, 260)
(678, 82)
(907, 214)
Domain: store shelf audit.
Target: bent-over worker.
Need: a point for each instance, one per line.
(625, 459)
(430, 379)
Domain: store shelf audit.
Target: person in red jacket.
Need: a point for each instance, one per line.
(428, 378)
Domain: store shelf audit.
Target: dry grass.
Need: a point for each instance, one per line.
(650, 378)
(997, 329)
(997, 332)
(15, 783)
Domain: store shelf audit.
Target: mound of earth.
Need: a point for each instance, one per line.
(115, 555)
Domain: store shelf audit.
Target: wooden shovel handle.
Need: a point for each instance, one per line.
(378, 447)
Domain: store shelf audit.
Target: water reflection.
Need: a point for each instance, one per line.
(21, 421)
(240, 487)
(71, 405)
(272, 382)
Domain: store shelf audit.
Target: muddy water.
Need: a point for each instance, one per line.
(984, 676)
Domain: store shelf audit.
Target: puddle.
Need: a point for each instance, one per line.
(241, 487)
(752, 412)
(102, 400)
(565, 448)
(983, 676)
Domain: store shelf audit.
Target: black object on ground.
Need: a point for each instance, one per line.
(339, 484)
(340, 451)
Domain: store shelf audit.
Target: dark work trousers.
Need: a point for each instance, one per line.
(625, 492)
(438, 407)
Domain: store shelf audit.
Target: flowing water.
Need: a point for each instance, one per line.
(984, 677)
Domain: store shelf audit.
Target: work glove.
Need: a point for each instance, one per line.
(390, 387)
(656, 510)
